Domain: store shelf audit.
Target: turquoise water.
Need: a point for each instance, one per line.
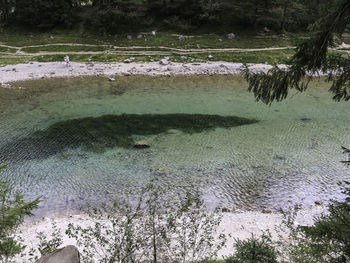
(70, 141)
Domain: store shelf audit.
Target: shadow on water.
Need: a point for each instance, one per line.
(108, 131)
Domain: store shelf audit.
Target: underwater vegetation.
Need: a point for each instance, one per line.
(100, 133)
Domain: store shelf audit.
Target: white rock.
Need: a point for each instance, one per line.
(231, 36)
(164, 61)
(153, 33)
(266, 30)
(129, 60)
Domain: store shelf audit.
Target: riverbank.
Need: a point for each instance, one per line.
(36, 70)
(239, 225)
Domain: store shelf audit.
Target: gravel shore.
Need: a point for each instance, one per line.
(36, 70)
(239, 225)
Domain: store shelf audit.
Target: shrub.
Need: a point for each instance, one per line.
(254, 250)
(159, 226)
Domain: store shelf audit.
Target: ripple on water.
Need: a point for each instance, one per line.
(71, 141)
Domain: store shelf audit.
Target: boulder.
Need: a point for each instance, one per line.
(153, 33)
(266, 30)
(129, 60)
(141, 145)
(164, 61)
(139, 36)
(210, 57)
(68, 254)
(231, 36)
(129, 37)
(181, 38)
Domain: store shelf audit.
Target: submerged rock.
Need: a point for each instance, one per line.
(266, 211)
(225, 210)
(68, 254)
(141, 145)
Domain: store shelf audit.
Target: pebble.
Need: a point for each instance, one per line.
(318, 202)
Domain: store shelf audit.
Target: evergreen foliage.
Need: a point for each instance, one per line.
(254, 250)
(311, 58)
(41, 13)
(13, 209)
(108, 16)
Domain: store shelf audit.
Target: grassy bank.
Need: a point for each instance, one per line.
(24, 47)
(247, 47)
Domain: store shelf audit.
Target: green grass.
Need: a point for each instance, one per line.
(7, 50)
(63, 48)
(162, 43)
(271, 57)
(165, 38)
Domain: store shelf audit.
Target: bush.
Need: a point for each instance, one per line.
(254, 250)
(159, 226)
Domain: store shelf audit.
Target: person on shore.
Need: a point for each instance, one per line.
(66, 60)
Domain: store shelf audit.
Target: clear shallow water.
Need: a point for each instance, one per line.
(291, 155)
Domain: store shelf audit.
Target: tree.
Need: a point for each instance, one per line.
(43, 14)
(311, 58)
(328, 240)
(13, 209)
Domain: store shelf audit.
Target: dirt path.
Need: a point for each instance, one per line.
(131, 50)
(137, 50)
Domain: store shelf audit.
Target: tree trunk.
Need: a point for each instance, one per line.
(284, 16)
(5, 8)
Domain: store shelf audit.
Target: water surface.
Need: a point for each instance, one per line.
(70, 140)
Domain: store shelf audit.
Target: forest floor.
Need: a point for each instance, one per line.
(25, 47)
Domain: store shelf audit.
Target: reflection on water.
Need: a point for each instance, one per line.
(69, 140)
